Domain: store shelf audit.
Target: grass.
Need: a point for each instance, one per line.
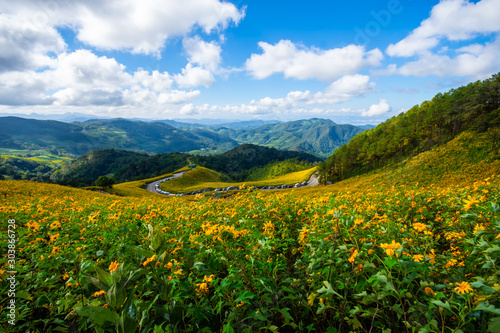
(202, 178)
(37, 156)
(137, 188)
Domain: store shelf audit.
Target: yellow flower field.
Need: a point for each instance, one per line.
(357, 256)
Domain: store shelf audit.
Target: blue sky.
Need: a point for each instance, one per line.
(353, 62)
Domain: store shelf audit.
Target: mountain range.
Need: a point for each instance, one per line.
(317, 136)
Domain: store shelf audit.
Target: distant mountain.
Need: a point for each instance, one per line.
(318, 136)
(203, 123)
(67, 117)
(248, 124)
(367, 127)
(81, 137)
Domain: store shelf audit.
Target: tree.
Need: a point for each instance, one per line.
(104, 181)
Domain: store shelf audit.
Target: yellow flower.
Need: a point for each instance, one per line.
(209, 278)
(202, 288)
(389, 248)
(479, 227)
(55, 225)
(419, 227)
(418, 257)
(353, 256)
(463, 287)
(470, 203)
(311, 298)
(153, 258)
(99, 293)
(113, 266)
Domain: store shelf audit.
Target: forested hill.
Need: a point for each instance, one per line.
(318, 136)
(475, 107)
(126, 165)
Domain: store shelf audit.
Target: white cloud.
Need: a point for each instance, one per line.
(24, 47)
(187, 110)
(377, 109)
(342, 90)
(82, 78)
(455, 20)
(136, 26)
(155, 81)
(476, 61)
(204, 54)
(194, 77)
(300, 62)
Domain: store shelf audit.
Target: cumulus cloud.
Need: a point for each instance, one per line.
(377, 109)
(82, 78)
(37, 69)
(136, 26)
(24, 47)
(476, 61)
(204, 54)
(455, 20)
(342, 90)
(194, 77)
(300, 62)
(188, 110)
(452, 20)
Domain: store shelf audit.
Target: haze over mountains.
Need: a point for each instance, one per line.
(316, 136)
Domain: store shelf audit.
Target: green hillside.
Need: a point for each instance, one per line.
(245, 157)
(318, 136)
(79, 138)
(127, 165)
(475, 107)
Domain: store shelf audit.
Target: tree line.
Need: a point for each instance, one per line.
(474, 107)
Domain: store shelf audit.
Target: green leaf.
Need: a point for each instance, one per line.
(494, 325)
(115, 296)
(490, 308)
(126, 324)
(86, 265)
(273, 328)
(97, 283)
(143, 252)
(493, 249)
(104, 277)
(228, 328)
(98, 314)
(328, 289)
(244, 295)
(321, 309)
(441, 304)
(24, 295)
(158, 329)
(484, 288)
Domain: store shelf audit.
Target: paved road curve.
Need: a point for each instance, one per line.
(313, 181)
(152, 186)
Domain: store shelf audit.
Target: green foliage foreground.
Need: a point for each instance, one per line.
(399, 259)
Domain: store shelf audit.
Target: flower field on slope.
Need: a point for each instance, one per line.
(399, 259)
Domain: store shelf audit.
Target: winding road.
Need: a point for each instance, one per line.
(155, 186)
